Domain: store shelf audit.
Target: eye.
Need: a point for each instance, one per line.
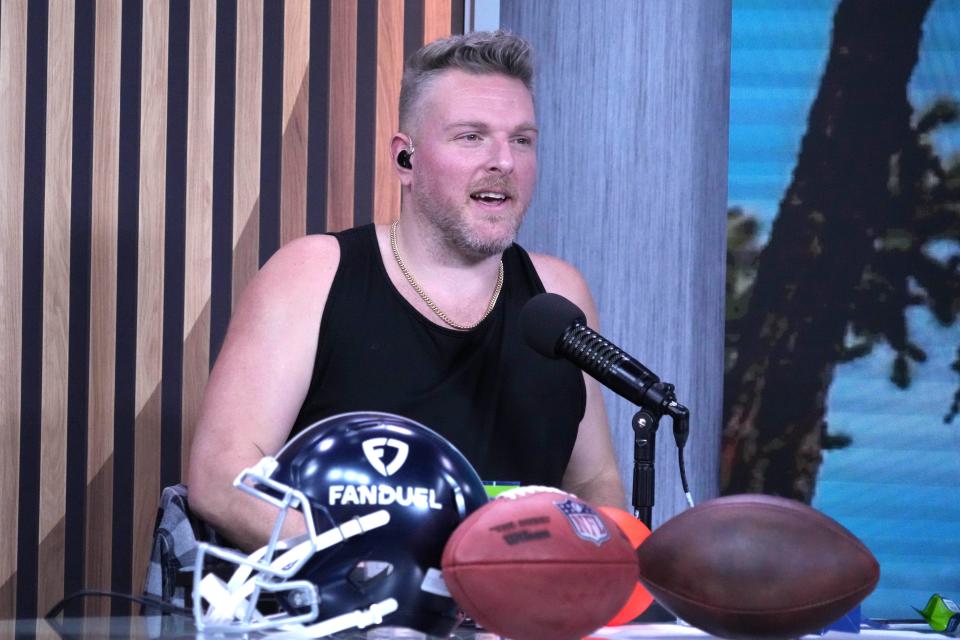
(471, 137)
(523, 140)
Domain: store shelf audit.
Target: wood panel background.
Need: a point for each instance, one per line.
(153, 154)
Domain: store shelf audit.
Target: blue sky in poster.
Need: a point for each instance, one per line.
(898, 486)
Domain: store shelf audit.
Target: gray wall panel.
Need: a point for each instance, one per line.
(632, 102)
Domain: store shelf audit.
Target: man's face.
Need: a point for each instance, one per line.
(475, 163)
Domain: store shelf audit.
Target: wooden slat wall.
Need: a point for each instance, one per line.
(437, 17)
(343, 109)
(128, 236)
(296, 89)
(246, 155)
(56, 302)
(386, 203)
(103, 301)
(13, 52)
(150, 274)
(199, 216)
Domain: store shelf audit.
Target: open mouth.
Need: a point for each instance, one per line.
(490, 197)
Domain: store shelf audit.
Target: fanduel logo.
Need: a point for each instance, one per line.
(375, 448)
(383, 494)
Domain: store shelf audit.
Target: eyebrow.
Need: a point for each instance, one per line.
(476, 124)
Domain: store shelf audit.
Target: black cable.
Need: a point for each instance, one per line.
(146, 600)
(681, 429)
(683, 476)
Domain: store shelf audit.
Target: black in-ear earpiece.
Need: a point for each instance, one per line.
(403, 159)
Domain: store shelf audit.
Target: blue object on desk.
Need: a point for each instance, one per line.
(849, 623)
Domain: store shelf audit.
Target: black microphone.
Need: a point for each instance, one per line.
(556, 328)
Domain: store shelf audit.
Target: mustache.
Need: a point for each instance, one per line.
(501, 184)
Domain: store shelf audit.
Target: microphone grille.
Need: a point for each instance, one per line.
(543, 320)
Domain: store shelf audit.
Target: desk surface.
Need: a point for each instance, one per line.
(182, 627)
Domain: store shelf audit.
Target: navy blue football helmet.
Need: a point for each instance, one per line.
(380, 495)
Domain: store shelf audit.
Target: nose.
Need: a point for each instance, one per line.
(501, 157)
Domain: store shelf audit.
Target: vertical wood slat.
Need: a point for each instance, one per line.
(437, 19)
(223, 180)
(199, 217)
(13, 89)
(343, 113)
(153, 101)
(56, 304)
(81, 217)
(246, 149)
(296, 91)
(386, 202)
(103, 302)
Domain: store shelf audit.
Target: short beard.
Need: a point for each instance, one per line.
(453, 230)
(458, 234)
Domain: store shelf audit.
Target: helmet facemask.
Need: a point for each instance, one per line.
(231, 606)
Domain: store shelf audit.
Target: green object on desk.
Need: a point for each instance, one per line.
(494, 489)
(941, 614)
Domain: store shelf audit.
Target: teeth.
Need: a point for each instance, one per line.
(490, 196)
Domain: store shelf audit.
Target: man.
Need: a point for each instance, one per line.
(417, 318)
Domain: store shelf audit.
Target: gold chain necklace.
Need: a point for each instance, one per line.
(430, 303)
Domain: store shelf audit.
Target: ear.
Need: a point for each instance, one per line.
(401, 142)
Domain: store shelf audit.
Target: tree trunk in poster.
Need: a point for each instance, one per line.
(834, 209)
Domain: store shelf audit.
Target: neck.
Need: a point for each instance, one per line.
(454, 289)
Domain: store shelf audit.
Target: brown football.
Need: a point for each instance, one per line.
(752, 566)
(539, 564)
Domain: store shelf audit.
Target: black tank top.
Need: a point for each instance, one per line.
(512, 412)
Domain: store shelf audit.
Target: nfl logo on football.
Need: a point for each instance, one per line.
(585, 521)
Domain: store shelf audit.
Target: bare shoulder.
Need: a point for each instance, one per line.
(300, 273)
(561, 277)
(310, 255)
(288, 295)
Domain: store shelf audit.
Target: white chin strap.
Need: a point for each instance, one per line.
(232, 606)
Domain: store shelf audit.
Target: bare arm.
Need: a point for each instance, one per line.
(258, 384)
(592, 471)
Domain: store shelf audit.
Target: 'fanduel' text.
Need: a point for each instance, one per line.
(382, 494)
